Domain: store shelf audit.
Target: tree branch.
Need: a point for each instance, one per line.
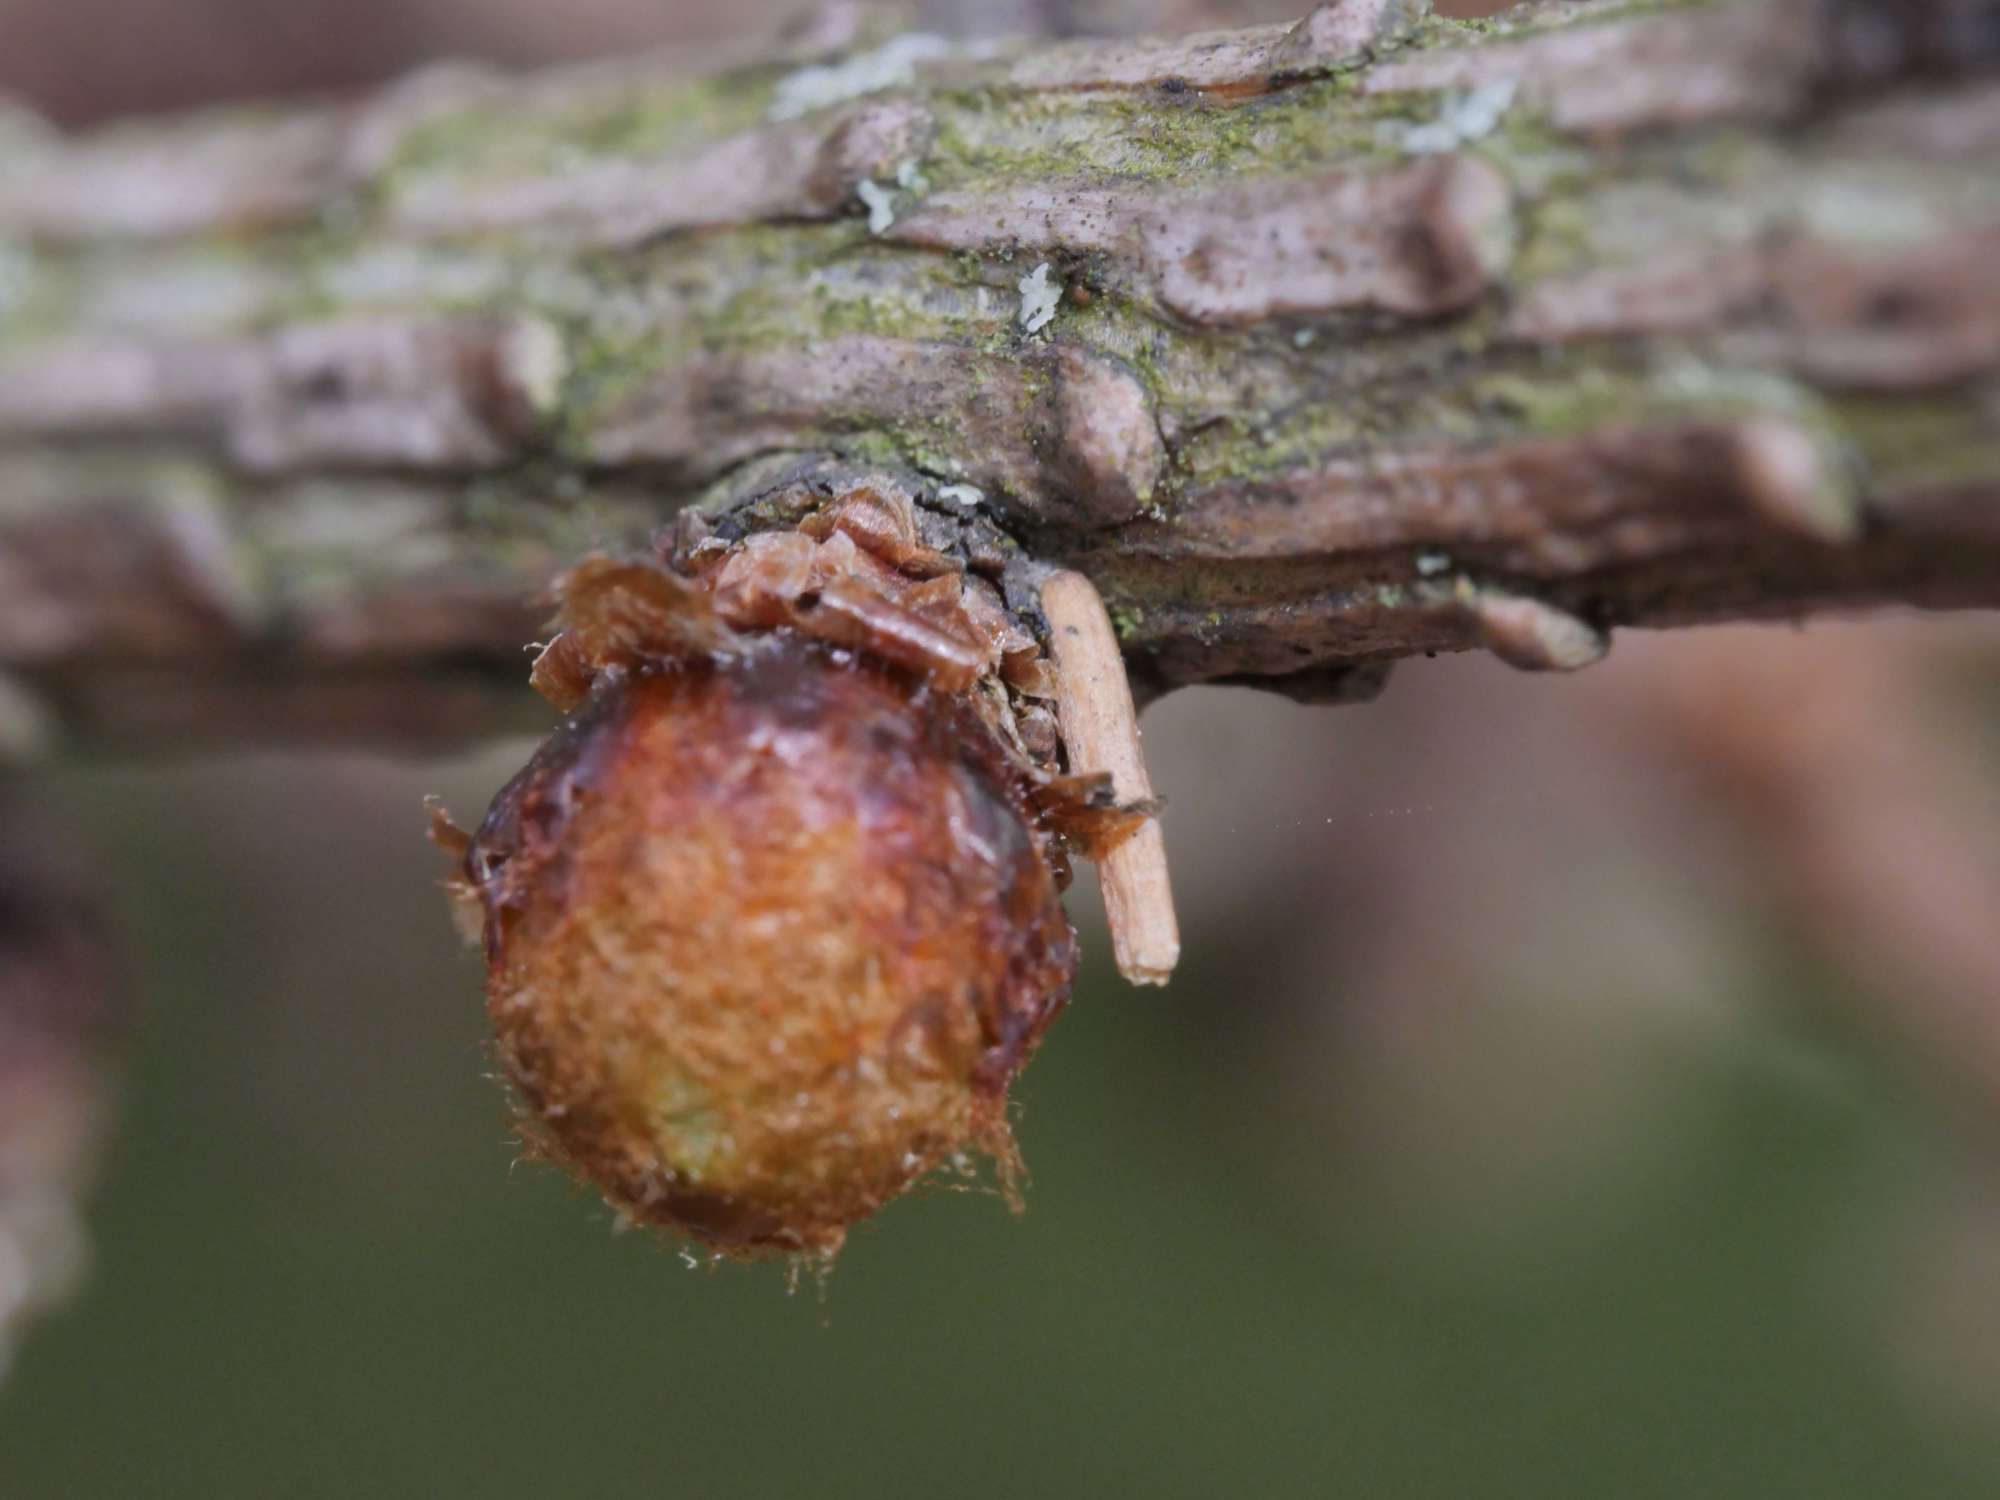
(1314, 347)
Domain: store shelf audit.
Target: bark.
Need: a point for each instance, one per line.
(1313, 346)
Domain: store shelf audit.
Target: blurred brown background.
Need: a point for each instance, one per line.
(1575, 1086)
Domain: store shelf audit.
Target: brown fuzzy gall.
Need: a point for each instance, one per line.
(768, 937)
(773, 921)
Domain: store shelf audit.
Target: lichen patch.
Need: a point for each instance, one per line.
(1039, 297)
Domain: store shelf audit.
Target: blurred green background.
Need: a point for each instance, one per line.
(1726, 1252)
(1548, 1106)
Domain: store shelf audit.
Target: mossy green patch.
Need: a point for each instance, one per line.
(502, 137)
(1929, 441)
(997, 138)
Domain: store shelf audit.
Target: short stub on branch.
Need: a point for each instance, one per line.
(1100, 727)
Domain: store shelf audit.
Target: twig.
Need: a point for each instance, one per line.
(1372, 336)
(1100, 727)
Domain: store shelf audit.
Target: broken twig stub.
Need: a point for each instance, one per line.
(1101, 730)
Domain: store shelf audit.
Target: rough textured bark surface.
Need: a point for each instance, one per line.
(1313, 346)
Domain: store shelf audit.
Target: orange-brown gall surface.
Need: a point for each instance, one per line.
(769, 934)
